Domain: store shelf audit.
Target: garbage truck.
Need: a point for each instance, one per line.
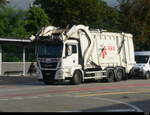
(142, 66)
(81, 53)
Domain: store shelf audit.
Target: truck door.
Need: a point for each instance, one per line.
(146, 65)
(71, 54)
(149, 64)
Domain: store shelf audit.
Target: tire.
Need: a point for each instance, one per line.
(147, 75)
(125, 77)
(119, 75)
(130, 76)
(77, 78)
(110, 75)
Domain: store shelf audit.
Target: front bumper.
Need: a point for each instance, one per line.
(137, 72)
(54, 75)
(48, 75)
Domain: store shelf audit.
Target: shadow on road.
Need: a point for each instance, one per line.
(32, 80)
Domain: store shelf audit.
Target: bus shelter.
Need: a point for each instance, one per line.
(23, 43)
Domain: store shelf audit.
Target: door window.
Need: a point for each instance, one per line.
(71, 49)
(74, 49)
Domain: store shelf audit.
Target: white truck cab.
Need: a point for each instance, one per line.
(142, 66)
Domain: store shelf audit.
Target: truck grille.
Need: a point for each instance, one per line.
(137, 70)
(49, 75)
(48, 65)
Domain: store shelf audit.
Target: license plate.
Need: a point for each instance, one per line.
(48, 74)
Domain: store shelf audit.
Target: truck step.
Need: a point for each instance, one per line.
(95, 74)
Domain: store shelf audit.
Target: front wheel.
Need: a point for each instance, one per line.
(147, 75)
(119, 75)
(77, 78)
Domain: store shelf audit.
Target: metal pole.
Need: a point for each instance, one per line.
(24, 60)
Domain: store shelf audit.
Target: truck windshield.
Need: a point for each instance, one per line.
(53, 51)
(141, 59)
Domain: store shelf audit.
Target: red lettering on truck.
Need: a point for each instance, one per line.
(104, 53)
(107, 48)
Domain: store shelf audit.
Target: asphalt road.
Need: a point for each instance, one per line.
(34, 96)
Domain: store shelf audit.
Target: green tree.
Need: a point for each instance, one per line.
(112, 19)
(35, 20)
(12, 23)
(3, 2)
(93, 13)
(21, 24)
(136, 20)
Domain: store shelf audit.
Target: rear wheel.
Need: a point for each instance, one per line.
(77, 78)
(119, 75)
(110, 75)
(147, 75)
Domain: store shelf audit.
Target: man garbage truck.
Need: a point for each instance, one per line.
(80, 53)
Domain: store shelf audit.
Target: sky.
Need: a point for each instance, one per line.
(24, 4)
(20, 4)
(111, 2)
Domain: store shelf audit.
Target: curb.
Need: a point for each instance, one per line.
(18, 78)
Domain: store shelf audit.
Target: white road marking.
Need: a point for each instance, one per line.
(3, 99)
(115, 101)
(28, 88)
(35, 97)
(47, 96)
(127, 104)
(18, 98)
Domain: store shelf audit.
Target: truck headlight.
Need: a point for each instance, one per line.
(60, 72)
(141, 69)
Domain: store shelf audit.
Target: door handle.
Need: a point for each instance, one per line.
(74, 61)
